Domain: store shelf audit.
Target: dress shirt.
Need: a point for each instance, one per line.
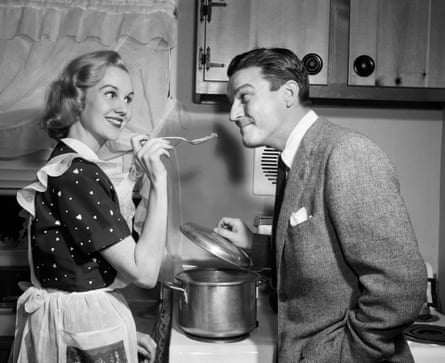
(297, 134)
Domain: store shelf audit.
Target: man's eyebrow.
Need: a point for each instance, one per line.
(242, 87)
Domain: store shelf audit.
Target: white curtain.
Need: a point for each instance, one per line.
(39, 37)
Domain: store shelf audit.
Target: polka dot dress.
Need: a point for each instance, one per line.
(76, 217)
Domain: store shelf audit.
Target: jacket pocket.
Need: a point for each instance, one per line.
(326, 346)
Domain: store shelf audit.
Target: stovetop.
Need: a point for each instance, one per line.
(423, 350)
(258, 347)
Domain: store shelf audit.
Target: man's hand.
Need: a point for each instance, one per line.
(236, 231)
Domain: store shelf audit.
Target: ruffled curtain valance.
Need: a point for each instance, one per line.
(39, 37)
(105, 21)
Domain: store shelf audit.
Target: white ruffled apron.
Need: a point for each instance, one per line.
(54, 326)
(72, 327)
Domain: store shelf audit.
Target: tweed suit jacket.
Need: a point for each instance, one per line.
(350, 277)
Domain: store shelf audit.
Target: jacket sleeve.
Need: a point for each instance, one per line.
(379, 244)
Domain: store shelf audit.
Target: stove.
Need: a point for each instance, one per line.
(13, 264)
(426, 336)
(260, 346)
(13, 244)
(426, 339)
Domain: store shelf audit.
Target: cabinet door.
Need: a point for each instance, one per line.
(223, 32)
(396, 43)
(235, 26)
(436, 59)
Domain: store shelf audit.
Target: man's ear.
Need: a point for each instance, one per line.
(290, 89)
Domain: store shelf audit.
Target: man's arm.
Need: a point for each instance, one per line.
(379, 244)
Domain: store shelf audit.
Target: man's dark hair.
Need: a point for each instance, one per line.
(278, 65)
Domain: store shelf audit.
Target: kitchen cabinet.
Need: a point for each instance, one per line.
(356, 50)
(397, 43)
(229, 27)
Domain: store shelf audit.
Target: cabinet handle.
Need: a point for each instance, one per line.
(204, 60)
(210, 64)
(206, 9)
(201, 58)
(364, 65)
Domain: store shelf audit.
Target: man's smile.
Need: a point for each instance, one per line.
(244, 122)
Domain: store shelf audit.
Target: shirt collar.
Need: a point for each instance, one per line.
(295, 137)
(81, 148)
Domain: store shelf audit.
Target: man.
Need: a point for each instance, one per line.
(349, 274)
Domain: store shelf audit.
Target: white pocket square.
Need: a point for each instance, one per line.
(298, 217)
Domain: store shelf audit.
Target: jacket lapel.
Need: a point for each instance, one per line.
(293, 190)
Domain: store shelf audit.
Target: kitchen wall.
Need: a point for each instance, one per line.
(216, 177)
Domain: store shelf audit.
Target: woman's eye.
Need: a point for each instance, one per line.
(110, 94)
(128, 100)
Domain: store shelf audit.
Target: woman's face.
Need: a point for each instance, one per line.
(107, 108)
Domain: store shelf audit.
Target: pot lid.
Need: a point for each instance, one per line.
(216, 244)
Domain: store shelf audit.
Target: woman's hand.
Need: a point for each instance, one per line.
(146, 348)
(148, 156)
(235, 230)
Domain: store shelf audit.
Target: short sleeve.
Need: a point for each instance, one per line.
(89, 208)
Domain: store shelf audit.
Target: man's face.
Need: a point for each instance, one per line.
(256, 110)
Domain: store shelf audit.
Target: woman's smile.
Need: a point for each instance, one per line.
(116, 121)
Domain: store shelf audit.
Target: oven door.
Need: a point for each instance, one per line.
(13, 230)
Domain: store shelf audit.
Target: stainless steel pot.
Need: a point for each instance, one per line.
(219, 302)
(216, 303)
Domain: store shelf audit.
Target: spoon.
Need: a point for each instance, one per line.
(197, 141)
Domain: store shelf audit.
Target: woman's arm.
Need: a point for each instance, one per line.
(140, 262)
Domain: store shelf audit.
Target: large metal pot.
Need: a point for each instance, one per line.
(216, 303)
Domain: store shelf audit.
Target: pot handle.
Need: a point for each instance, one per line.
(175, 287)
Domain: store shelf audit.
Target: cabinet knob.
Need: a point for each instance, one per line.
(313, 63)
(364, 65)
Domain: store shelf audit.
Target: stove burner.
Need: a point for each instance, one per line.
(233, 339)
(427, 318)
(425, 333)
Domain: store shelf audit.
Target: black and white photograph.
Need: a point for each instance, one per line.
(222, 181)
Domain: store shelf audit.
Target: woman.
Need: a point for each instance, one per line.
(81, 247)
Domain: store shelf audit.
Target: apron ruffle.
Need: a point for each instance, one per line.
(123, 183)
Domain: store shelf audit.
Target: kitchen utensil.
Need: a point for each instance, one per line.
(197, 141)
(217, 245)
(217, 303)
